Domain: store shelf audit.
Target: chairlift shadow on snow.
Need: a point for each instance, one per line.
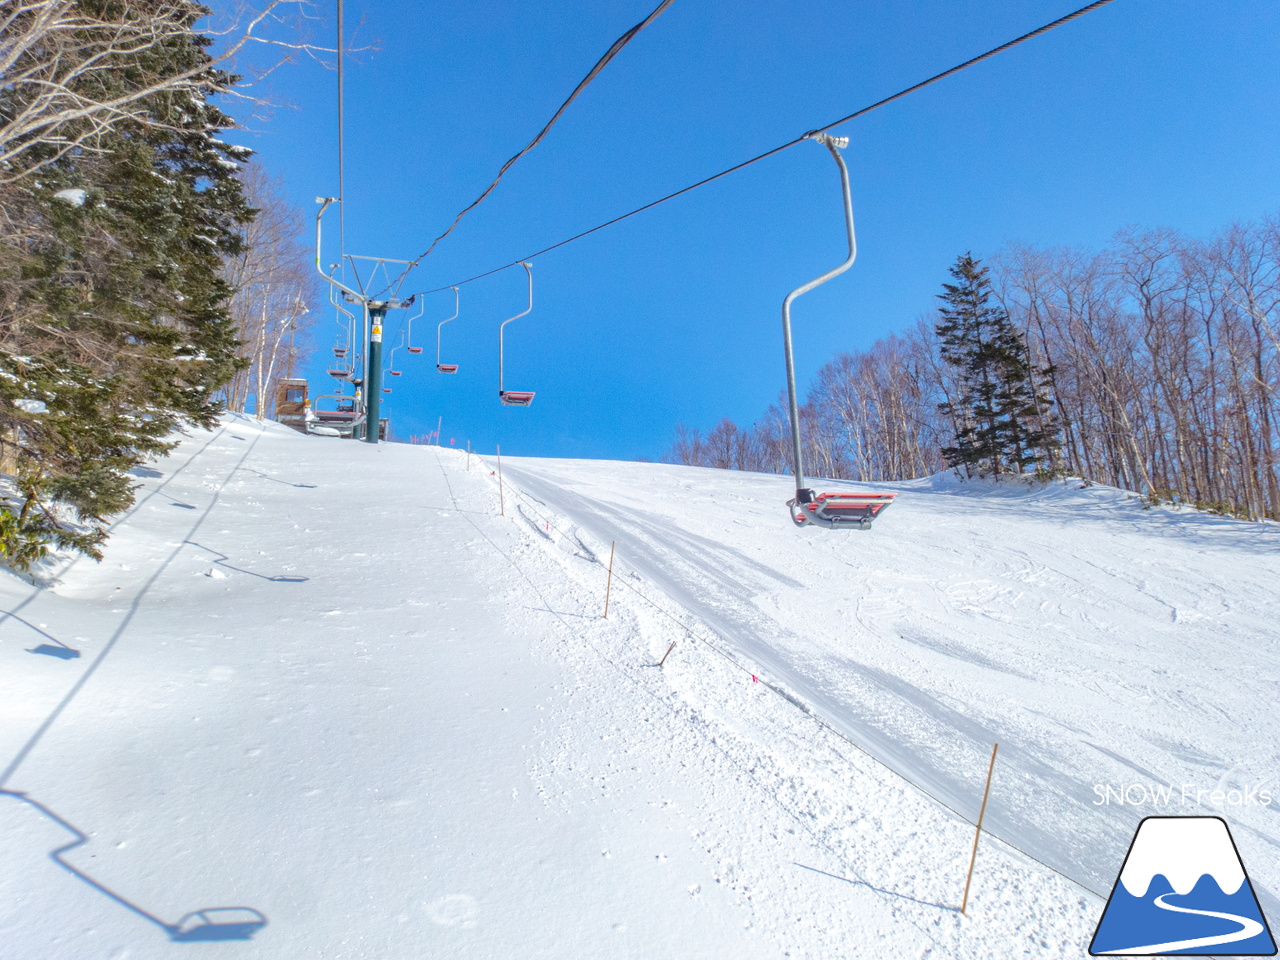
(881, 890)
(54, 648)
(204, 925)
(223, 561)
(61, 651)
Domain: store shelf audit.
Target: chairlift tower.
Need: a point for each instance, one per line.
(375, 307)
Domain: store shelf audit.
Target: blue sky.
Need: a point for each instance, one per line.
(1146, 112)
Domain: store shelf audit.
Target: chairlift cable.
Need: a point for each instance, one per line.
(342, 207)
(595, 71)
(1039, 31)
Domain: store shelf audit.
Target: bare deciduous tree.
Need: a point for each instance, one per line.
(275, 293)
(64, 59)
(1160, 358)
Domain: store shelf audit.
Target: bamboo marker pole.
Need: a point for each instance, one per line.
(667, 654)
(502, 505)
(609, 583)
(973, 857)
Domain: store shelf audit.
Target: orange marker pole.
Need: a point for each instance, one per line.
(973, 857)
(609, 584)
(667, 654)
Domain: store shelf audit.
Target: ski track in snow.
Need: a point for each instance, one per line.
(325, 681)
(1068, 648)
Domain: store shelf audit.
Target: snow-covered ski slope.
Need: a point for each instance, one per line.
(1098, 642)
(327, 684)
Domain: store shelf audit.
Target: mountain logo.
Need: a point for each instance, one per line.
(1183, 890)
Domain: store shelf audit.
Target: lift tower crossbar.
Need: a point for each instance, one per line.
(375, 311)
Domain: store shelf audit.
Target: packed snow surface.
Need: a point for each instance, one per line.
(326, 699)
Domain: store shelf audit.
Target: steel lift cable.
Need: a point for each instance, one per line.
(342, 188)
(995, 51)
(595, 71)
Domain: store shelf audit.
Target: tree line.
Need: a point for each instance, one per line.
(127, 233)
(1151, 365)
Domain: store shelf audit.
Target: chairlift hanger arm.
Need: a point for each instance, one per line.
(833, 144)
(335, 303)
(324, 205)
(527, 309)
(454, 317)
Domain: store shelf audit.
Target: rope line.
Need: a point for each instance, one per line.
(686, 713)
(795, 701)
(995, 51)
(612, 52)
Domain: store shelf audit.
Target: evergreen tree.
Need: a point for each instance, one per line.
(114, 330)
(1001, 423)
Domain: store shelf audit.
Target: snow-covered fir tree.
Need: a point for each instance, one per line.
(113, 322)
(1001, 424)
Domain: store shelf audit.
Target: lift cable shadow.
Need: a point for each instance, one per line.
(119, 632)
(62, 572)
(209, 923)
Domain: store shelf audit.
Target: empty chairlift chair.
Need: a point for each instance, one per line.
(449, 367)
(514, 398)
(843, 510)
(342, 343)
(391, 359)
(409, 328)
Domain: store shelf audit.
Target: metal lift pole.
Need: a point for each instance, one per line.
(377, 312)
(834, 144)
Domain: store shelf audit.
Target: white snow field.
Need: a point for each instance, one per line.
(327, 685)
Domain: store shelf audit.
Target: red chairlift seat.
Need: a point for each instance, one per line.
(340, 352)
(843, 509)
(394, 373)
(386, 389)
(515, 398)
(339, 371)
(414, 349)
(447, 367)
